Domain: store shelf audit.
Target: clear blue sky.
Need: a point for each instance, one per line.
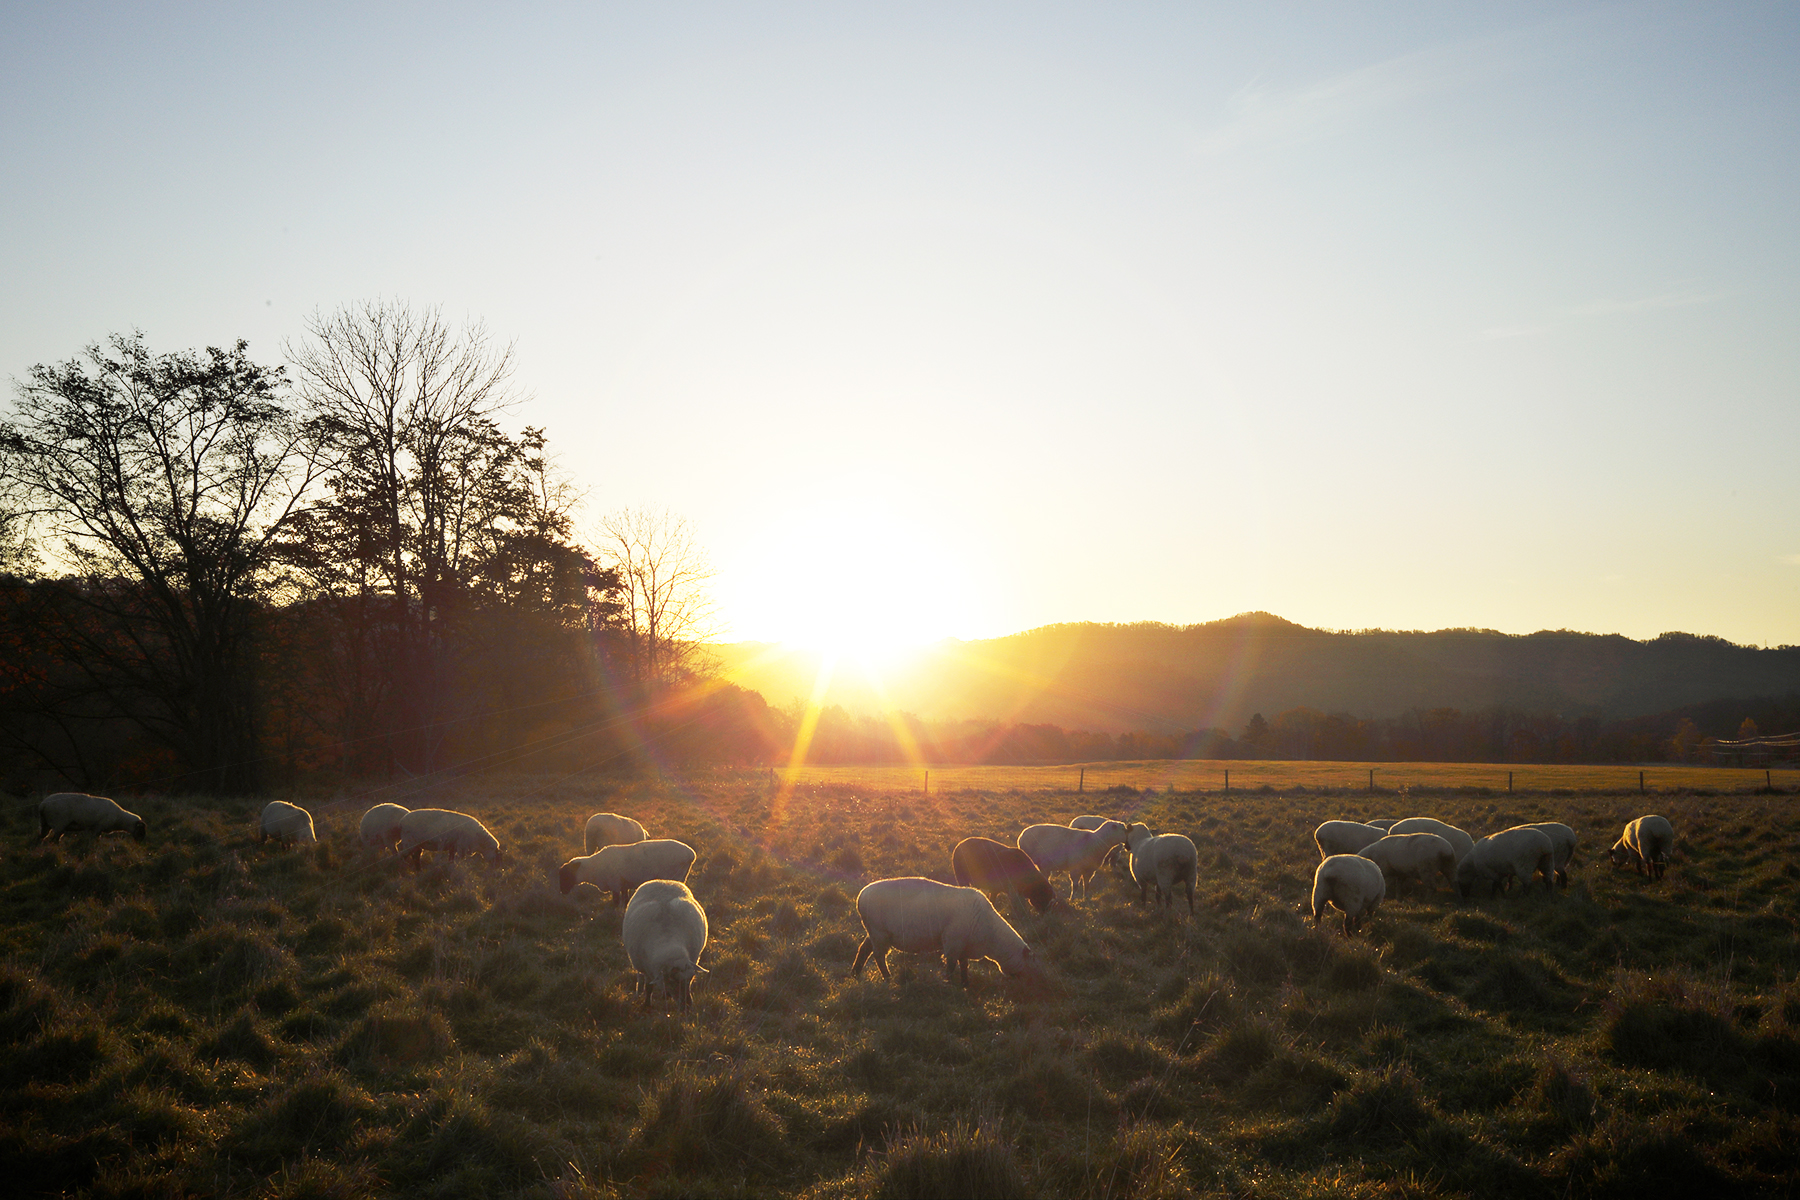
(966, 318)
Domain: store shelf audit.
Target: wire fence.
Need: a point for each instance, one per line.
(1220, 775)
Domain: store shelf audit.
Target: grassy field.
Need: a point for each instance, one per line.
(1208, 775)
(201, 1015)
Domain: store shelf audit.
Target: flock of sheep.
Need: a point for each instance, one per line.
(1358, 859)
(665, 927)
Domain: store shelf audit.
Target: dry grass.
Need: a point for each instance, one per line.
(199, 1015)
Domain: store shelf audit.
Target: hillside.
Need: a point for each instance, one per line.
(1122, 677)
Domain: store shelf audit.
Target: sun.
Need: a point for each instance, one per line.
(854, 583)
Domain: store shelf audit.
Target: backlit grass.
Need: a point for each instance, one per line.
(201, 1015)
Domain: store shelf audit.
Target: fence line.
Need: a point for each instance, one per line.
(1236, 775)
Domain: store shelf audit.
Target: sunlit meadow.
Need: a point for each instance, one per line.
(203, 1014)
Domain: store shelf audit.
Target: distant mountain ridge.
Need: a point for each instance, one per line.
(1144, 676)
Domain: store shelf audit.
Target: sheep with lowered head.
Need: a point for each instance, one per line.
(443, 831)
(1345, 837)
(1411, 857)
(610, 829)
(1057, 849)
(1163, 859)
(620, 869)
(1459, 841)
(995, 867)
(380, 828)
(1646, 845)
(923, 916)
(1500, 858)
(286, 823)
(1562, 842)
(78, 812)
(1350, 883)
(664, 933)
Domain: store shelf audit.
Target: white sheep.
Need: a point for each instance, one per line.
(380, 829)
(1459, 841)
(78, 812)
(1089, 822)
(1562, 841)
(1500, 858)
(619, 869)
(664, 933)
(442, 831)
(923, 916)
(610, 829)
(286, 823)
(1164, 860)
(1345, 837)
(1350, 882)
(1077, 852)
(1410, 857)
(1646, 845)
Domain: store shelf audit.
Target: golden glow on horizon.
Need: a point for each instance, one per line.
(856, 583)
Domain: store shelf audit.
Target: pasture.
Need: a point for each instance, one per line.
(202, 1015)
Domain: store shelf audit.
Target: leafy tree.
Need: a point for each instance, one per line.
(168, 484)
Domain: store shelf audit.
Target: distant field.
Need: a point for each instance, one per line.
(202, 1015)
(1208, 775)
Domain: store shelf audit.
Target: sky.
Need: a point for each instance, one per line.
(961, 319)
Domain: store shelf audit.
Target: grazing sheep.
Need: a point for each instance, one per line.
(1500, 858)
(610, 829)
(995, 867)
(1165, 860)
(442, 831)
(619, 869)
(1383, 822)
(1459, 841)
(1089, 822)
(1562, 841)
(1646, 845)
(78, 812)
(286, 823)
(1352, 883)
(380, 828)
(1058, 849)
(664, 933)
(1345, 837)
(923, 916)
(1410, 857)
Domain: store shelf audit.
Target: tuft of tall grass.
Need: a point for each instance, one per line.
(710, 1119)
(965, 1159)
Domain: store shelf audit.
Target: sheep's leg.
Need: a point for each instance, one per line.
(881, 962)
(1190, 896)
(964, 964)
(862, 956)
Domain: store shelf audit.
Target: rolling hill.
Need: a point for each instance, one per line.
(1146, 676)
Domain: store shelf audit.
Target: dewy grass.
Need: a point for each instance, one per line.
(200, 1015)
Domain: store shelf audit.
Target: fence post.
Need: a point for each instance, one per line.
(1228, 779)
(928, 783)
(1640, 782)
(1081, 784)
(1371, 779)
(1509, 781)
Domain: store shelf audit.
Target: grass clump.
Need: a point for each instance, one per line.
(713, 1121)
(965, 1159)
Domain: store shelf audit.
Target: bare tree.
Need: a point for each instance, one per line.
(170, 482)
(426, 476)
(668, 608)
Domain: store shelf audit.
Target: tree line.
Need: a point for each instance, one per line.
(218, 571)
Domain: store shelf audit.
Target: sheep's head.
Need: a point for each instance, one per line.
(139, 830)
(1039, 894)
(566, 877)
(1136, 834)
(1620, 853)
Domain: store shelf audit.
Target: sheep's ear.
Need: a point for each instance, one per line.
(700, 970)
